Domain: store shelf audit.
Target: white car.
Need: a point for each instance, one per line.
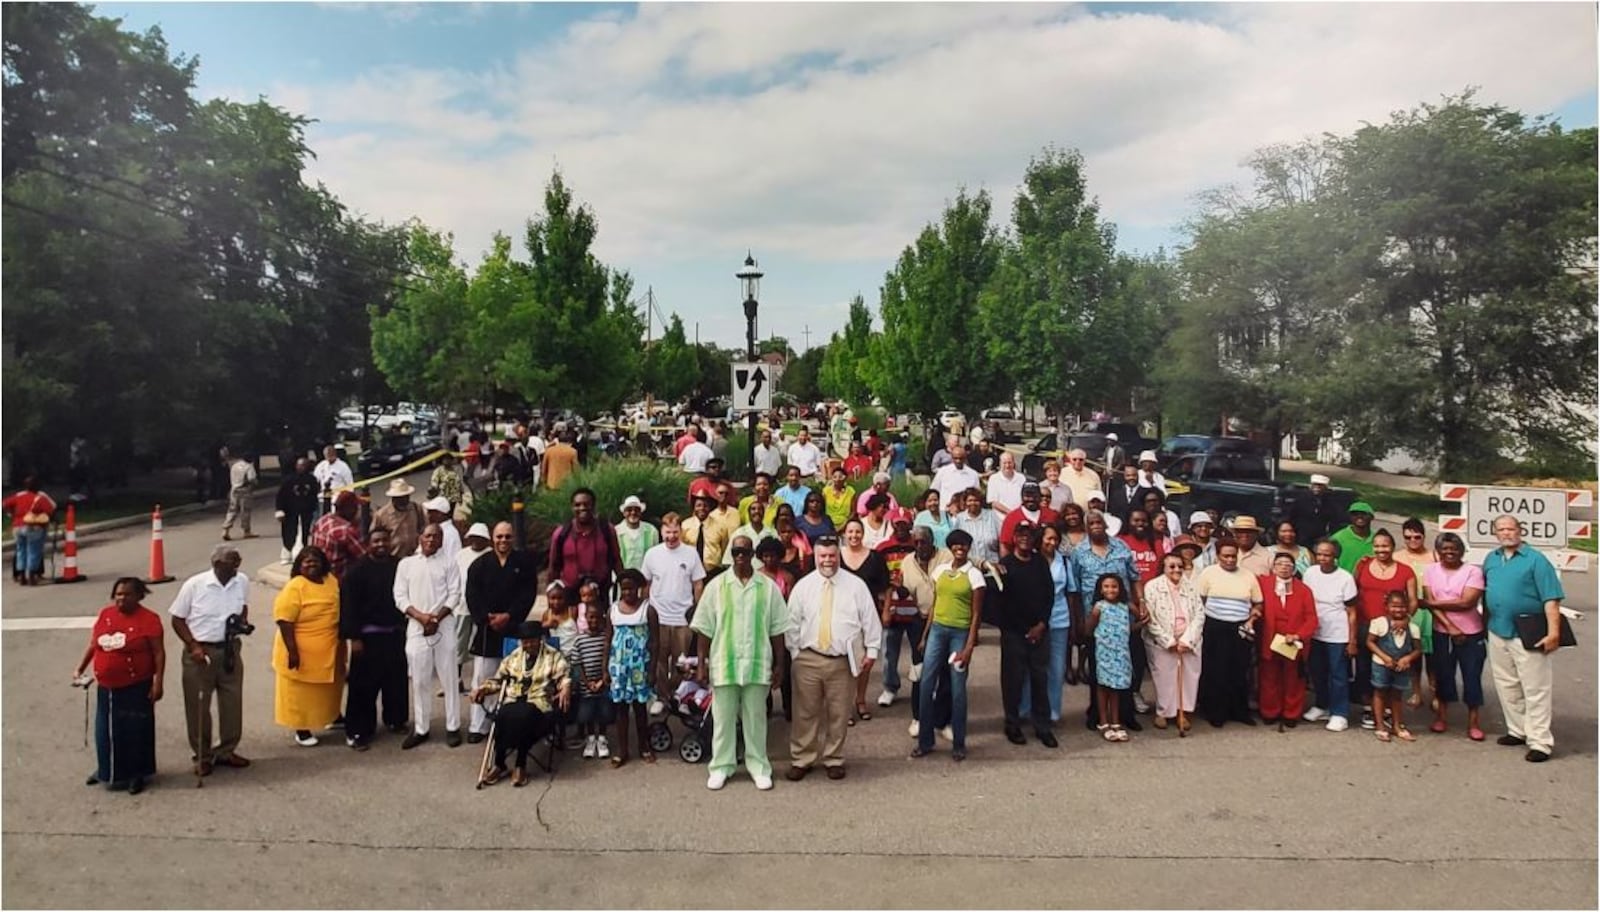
(948, 416)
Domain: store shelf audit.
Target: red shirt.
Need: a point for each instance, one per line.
(1146, 556)
(125, 646)
(24, 502)
(858, 466)
(1371, 591)
(340, 540)
(584, 554)
(1296, 614)
(874, 445)
(1008, 526)
(682, 443)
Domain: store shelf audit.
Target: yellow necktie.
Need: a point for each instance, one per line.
(825, 618)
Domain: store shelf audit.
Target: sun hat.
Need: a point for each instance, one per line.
(632, 500)
(399, 488)
(478, 530)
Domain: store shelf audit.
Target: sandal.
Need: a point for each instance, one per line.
(863, 713)
(1475, 734)
(1404, 734)
(1383, 735)
(1414, 701)
(1108, 733)
(617, 760)
(1122, 733)
(1438, 727)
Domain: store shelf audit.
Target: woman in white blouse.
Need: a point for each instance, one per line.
(1173, 637)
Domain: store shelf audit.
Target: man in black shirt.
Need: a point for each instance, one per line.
(377, 636)
(1024, 622)
(296, 507)
(500, 590)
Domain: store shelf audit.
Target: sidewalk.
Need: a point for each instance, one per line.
(1412, 483)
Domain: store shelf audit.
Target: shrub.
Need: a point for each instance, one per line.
(662, 487)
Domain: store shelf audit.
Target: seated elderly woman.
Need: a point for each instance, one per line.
(536, 682)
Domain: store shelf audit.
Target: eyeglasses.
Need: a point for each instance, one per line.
(824, 541)
(743, 552)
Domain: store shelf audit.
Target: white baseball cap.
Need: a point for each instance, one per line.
(1320, 479)
(438, 505)
(1112, 436)
(1201, 516)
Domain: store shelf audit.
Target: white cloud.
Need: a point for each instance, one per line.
(835, 131)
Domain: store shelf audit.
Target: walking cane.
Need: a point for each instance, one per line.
(1183, 722)
(488, 741)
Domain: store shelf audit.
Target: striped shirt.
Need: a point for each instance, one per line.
(739, 619)
(588, 656)
(1228, 595)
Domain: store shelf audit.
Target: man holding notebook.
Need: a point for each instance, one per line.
(1522, 607)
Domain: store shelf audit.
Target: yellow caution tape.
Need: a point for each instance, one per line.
(405, 469)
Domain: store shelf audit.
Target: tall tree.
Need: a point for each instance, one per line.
(670, 366)
(800, 378)
(933, 352)
(422, 343)
(845, 366)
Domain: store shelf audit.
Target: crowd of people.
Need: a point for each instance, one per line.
(813, 585)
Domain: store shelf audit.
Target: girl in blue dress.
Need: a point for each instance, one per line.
(1112, 622)
(629, 666)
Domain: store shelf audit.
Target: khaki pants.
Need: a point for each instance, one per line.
(671, 642)
(199, 683)
(238, 509)
(824, 692)
(1522, 679)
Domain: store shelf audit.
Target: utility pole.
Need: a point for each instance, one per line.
(649, 313)
(807, 333)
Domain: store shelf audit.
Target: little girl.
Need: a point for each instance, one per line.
(588, 661)
(1112, 623)
(629, 666)
(557, 618)
(1396, 645)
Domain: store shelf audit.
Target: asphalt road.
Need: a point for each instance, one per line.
(1237, 817)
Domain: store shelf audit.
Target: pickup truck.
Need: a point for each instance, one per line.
(1003, 424)
(1235, 481)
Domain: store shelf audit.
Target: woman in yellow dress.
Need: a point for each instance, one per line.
(307, 654)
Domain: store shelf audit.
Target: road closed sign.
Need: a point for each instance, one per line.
(1541, 512)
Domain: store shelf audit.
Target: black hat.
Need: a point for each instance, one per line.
(530, 630)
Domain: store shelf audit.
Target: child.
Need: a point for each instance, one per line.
(1396, 646)
(629, 666)
(691, 693)
(1112, 623)
(588, 660)
(557, 617)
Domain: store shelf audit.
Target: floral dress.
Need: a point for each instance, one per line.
(629, 664)
(1113, 662)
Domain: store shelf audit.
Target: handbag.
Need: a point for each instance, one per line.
(35, 517)
(1531, 628)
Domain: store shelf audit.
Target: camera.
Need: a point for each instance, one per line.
(237, 626)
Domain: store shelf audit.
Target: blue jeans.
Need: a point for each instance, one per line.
(1330, 677)
(944, 642)
(30, 548)
(1470, 657)
(893, 636)
(1058, 673)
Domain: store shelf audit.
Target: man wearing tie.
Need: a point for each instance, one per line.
(833, 635)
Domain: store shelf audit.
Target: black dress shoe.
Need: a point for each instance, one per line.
(1536, 756)
(796, 773)
(1509, 741)
(1048, 739)
(1245, 720)
(94, 779)
(475, 737)
(136, 785)
(1133, 725)
(1015, 736)
(396, 728)
(452, 738)
(412, 740)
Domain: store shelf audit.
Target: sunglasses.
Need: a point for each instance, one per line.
(827, 540)
(743, 552)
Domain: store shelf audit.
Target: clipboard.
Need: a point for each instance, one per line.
(857, 653)
(1283, 647)
(1531, 628)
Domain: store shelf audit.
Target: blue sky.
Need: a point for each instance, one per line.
(824, 136)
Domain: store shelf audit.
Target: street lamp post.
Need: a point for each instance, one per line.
(750, 278)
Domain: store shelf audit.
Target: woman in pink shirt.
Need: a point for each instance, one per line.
(1451, 590)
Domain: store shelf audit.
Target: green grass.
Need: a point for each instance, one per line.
(121, 503)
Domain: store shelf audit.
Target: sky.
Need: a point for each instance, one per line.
(823, 137)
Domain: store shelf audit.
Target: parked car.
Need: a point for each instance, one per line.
(393, 451)
(1002, 424)
(1237, 481)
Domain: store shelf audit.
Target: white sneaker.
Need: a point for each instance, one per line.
(1338, 724)
(947, 734)
(716, 781)
(602, 748)
(657, 707)
(886, 698)
(1140, 705)
(914, 729)
(763, 783)
(307, 740)
(1315, 714)
(588, 748)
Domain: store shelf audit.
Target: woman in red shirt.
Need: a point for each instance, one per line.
(129, 661)
(1288, 608)
(30, 510)
(1376, 577)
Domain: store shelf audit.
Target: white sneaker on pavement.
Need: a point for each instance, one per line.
(602, 748)
(1140, 705)
(763, 783)
(886, 698)
(914, 729)
(947, 734)
(588, 748)
(1338, 724)
(1315, 714)
(716, 781)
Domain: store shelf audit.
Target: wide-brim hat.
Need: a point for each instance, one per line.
(1184, 541)
(399, 488)
(478, 530)
(631, 501)
(1245, 522)
(530, 630)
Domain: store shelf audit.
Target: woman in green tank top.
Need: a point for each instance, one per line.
(949, 639)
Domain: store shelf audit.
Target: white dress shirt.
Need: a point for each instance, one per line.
(337, 471)
(855, 624)
(805, 457)
(432, 585)
(694, 457)
(1005, 494)
(951, 481)
(205, 604)
(464, 559)
(450, 543)
(769, 459)
(1153, 480)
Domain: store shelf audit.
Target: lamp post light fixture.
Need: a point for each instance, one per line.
(750, 279)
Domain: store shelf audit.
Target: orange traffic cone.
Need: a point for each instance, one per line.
(158, 554)
(70, 572)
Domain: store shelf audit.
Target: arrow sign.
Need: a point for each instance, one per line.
(752, 387)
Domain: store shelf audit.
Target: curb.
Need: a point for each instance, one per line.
(92, 530)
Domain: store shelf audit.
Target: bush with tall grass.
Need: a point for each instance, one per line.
(662, 486)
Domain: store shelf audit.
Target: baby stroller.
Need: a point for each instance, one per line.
(690, 704)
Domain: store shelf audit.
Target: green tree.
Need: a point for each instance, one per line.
(846, 366)
(671, 368)
(800, 380)
(933, 351)
(422, 344)
(1476, 334)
